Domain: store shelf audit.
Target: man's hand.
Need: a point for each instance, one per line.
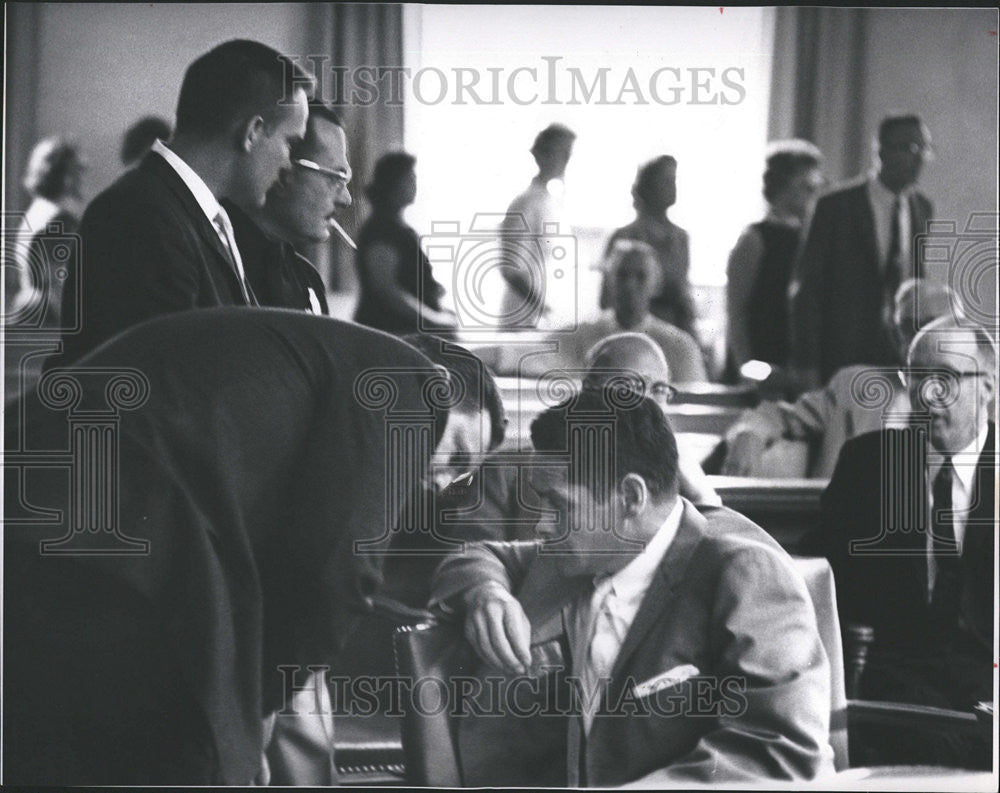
(743, 457)
(497, 628)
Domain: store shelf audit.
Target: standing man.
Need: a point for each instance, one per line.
(158, 240)
(528, 219)
(908, 524)
(297, 213)
(859, 248)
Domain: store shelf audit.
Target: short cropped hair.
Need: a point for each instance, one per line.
(898, 120)
(480, 390)
(551, 137)
(648, 174)
(643, 442)
(317, 110)
(236, 80)
(138, 138)
(389, 171)
(786, 160)
(49, 166)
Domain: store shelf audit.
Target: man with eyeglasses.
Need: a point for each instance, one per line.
(860, 246)
(909, 527)
(299, 211)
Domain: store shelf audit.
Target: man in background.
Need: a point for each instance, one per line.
(827, 417)
(861, 245)
(524, 302)
(158, 240)
(140, 137)
(297, 213)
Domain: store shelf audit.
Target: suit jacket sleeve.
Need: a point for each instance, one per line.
(506, 563)
(806, 290)
(767, 642)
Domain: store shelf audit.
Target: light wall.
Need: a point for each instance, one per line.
(102, 66)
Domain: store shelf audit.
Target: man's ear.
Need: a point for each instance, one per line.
(634, 495)
(251, 133)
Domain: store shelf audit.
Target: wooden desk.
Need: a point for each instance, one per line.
(785, 508)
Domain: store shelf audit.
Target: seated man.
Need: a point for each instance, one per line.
(828, 417)
(634, 282)
(631, 602)
(908, 527)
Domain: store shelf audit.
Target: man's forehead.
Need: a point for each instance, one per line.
(952, 349)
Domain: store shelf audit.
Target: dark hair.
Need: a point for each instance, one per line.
(643, 442)
(389, 172)
(479, 388)
(317, 110)
(141, 135)
(897, 120)
(236, 80)
(647, 175)
(552, 136)
(786, 161)
(49, 165)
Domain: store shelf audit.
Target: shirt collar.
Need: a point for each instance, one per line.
(202, 194)
(965, 473)
(633, 580)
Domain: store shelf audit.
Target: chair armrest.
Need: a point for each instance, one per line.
(398, 612)
(901, 714)
(857, 639)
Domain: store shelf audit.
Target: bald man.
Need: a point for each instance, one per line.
(828, 417)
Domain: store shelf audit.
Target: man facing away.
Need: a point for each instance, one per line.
(861, 245)
(158, 240)
(629, 597)
(298, 212)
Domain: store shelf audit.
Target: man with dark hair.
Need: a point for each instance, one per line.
(298, 212)
(909, 526)
(158, 240)
(860, 246)
(628, 600)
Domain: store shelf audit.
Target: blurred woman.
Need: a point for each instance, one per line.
(760, 265)
(398, 290)
(35, 280)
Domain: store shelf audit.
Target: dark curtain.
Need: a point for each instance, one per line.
(818, 79)
(353, 35)
(21, 71)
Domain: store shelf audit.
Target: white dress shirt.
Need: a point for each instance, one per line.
(209, 204)
(613, 607)
(963, 478)
(883, 201)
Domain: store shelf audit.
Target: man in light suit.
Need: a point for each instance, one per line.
(908, 525)
(861, 245)
(672, 645)
(158, 240)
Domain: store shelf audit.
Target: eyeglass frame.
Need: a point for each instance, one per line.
(340, 178)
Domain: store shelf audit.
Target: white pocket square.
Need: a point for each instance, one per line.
(671, 677)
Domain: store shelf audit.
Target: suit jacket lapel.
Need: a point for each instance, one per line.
(663, 588)
(155, 164)
(866, 228)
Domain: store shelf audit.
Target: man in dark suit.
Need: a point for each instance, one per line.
(298, 212)
(157, 240)
(861, 245)
(688, 638)
(908, 526)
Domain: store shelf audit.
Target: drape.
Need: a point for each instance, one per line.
(818, 81)
(353, 35)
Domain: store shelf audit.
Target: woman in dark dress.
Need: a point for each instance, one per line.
(398, 291)
(760, 264)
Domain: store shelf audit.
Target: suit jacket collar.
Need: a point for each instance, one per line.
(154, 165)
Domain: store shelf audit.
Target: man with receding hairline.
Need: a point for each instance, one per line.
(158, 240)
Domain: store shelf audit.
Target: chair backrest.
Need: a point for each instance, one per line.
(439, 652)
(819, 581)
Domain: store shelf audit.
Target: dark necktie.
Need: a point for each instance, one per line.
(947, 582)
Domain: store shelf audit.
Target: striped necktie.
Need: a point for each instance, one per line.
(228, 239)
